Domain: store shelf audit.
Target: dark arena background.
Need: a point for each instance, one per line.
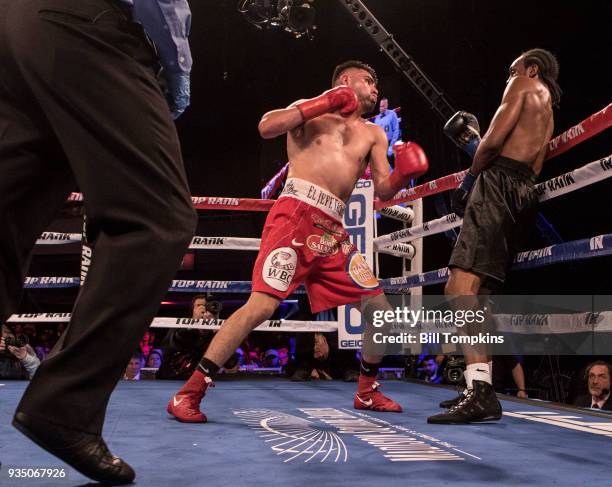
(262, 428)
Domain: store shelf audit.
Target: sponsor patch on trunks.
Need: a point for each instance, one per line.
(360, 271)
(327, 225)
(347, 246)
(322, 245)
(279, 268)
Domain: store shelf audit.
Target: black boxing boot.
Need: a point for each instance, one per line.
(479, 404)
(449, 403)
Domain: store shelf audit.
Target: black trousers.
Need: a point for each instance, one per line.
(80, 103)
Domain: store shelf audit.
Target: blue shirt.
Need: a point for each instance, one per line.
(390, 124)
(167, 23)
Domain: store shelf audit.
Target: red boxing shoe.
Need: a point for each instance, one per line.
(185, 405)
(369, 397)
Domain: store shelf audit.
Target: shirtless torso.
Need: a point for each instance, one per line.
(522, 125)
(528, 140)
(332, 150)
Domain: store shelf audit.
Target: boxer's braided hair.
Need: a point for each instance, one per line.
(548, 70)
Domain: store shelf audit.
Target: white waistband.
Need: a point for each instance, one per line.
(315, 196)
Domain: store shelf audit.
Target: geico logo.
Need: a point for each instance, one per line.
(355, 213)
(350, 343)
(363, 183)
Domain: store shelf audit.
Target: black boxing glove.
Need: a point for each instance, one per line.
(463, 129)
(461, 195)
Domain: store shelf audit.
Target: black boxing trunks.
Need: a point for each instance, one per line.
(500, 212)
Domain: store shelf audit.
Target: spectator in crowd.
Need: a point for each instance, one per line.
(132, 371)
(283, 356)
(147, 343)
(597, 377)
(271, 358)
(29, 329)
(387, 119)
(46, 340)
(430, 370)
(16, 362)
(155, 358)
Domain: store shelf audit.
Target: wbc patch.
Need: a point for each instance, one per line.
(279, 268)
(360, 272)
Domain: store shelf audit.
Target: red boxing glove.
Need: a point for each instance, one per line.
(410, 162)
(340, 98)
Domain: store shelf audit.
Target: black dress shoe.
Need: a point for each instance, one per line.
(479, 404)
(449, 403)
(85, 452)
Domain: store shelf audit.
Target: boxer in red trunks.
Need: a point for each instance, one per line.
(329, 146)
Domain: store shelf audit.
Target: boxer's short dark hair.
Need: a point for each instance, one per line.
(353, 64)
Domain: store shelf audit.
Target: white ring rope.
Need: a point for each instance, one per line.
(566, 183)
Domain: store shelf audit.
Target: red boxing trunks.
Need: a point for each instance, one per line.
(304, 242)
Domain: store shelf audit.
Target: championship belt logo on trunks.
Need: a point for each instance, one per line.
(360, 271)
(279, 268)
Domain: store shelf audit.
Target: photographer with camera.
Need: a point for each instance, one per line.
(182, 347)
(17, 358)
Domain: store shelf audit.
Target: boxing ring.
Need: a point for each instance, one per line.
(285, 433)
(268, 429)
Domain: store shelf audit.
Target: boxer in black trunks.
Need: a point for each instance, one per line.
(497, 202)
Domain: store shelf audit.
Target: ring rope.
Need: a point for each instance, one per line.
(197, 242)
(581, 322)
(214, 243)
(178, 285)
(586, 175)
(588, 128)
(598, 246)
(165, 322)
(596, 123)
(575, 250)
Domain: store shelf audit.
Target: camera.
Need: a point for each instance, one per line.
(19, 341)
(454, 371)
(213, 307)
